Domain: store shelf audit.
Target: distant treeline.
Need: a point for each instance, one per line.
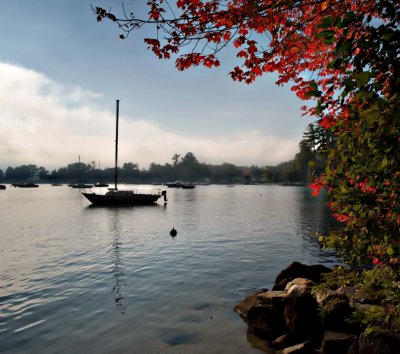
(187, 168)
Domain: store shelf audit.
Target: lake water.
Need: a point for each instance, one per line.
(81, 279)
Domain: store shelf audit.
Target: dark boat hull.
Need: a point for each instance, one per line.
(101, 185)
(81, 185)
(129, 199)
(25, 185)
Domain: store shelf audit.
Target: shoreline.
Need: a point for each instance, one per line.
(288, 318)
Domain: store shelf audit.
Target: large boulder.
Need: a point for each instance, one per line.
(266, 321)
(243, 307)
(336, 313)
(336, 343)
(380, 341)
(302, 317)
(299, 270)
(263, 313)
(298, 287)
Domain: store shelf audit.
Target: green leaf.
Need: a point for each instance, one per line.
(390, 250)
(314, 85)
(350, 17)
(335, 63)
(362, 78)
(314, 93)
(326, 22)
(373, 116)
(325, 34)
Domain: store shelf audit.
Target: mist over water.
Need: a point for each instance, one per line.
(83, 279)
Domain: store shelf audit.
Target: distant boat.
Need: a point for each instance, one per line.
(25, 185)
(81, 185)
(180, 184)
(100, 184)
(2, 186)
(123, 197)
(176, 184)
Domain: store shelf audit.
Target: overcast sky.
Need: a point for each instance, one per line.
(61, 72)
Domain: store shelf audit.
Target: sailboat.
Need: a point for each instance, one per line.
(123, 197)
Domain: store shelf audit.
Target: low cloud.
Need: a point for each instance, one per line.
(44, 123)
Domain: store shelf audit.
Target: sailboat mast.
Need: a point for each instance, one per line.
(116, 148)
(79, 169)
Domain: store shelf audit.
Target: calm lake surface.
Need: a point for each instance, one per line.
(82, 279)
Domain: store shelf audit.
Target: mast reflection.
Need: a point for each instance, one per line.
(117, 269)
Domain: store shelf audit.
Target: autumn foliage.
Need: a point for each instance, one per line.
(344, 55)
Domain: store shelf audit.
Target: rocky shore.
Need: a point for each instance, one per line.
(288, 318)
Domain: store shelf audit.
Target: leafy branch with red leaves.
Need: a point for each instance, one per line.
(342, 54)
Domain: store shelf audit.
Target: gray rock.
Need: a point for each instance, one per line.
(299, 270)
(247, 303)
(336, 313)
(380, 341)
(335, 343)
(283, 341)
(272, 297)
(302, 348)
(266, 321)
(302, 317)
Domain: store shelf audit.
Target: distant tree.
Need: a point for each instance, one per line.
(34, 170)
(189, 167)
(43, 173)
(20, 173)
(130, 171)
(9, 174)
(78, 171)
(189, 159)
(162, 173)
(225, 173)
(176, 159)
(1, 174)
(305, 159)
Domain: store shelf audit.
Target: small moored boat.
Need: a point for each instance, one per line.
(101, 184)
(25, 185)
(81, 185)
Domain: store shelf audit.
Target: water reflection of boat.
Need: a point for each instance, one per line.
(25, 185)
(123, 197)
(56, 184)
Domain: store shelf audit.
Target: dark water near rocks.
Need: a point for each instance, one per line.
(81, 279)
